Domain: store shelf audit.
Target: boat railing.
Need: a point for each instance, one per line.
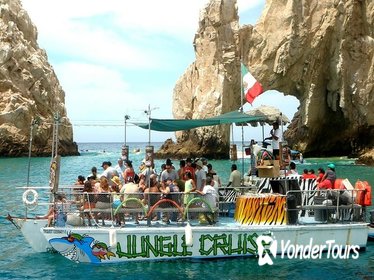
(149, 203)
(126, 204)
(323, 206)
(38, 199)
(301, 205)
(73, 195)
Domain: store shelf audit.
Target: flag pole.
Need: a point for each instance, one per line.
(241, 110)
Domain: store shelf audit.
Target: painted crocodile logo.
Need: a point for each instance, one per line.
(80, 248)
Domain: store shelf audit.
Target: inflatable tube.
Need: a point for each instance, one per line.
(161, 201)
(128, 200)
(30, 193)
(193, 201)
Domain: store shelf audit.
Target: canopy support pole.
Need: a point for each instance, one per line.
(242, 151)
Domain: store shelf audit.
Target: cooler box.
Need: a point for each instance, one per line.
(269, 169)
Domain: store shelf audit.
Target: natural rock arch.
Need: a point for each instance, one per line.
(321, 52)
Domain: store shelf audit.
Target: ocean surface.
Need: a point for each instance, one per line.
(19, 261)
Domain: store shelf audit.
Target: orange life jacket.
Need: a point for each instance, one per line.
(367, 199)
(363, 193)
(338, 184)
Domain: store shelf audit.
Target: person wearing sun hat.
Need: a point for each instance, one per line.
(117, 181)
(329, 178)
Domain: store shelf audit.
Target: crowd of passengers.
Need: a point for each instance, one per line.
(114, 187)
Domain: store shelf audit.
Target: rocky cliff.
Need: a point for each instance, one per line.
(211, 84)
(29, 89)
(318, 51)
(322, 53)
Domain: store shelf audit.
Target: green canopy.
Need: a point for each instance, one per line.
(175, 125)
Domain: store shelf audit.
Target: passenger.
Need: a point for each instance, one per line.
(142, 166)
(329, 178)
(152, 194)
(170, 191)
(312, 174)
(175, 196)
(235, 177)
(210, 195)
(88, 201)
(189, 168)
(293, 170)
(286, 156)
(305, 174)
(116, 187)
(103, 199)
(131, 191)
(163, 167)
(263, 155)
(169, 172)
(120, 168)
(80, 180)
(213, 174)
(108, 171)
(61, 210)
(128, 173)
(189, 187)
(205, 163)
(57, 212)
(78, 189)
(180, 182)
(92, 181)
(321, 173)
(142, 184)
(165, 194)
(182, 165)
(276, 137)
(147, 172)
(200, 175)
(93, 173)
(301, 158)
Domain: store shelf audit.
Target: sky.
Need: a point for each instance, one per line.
(115, 58)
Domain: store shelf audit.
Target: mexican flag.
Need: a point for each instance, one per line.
(252, 88)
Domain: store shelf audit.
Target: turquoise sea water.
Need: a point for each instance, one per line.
(18, 261)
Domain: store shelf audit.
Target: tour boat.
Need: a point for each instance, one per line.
(295, 221)
(285, 216)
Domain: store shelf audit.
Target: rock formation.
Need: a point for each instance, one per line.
(211, 85)
(29, 89)
(318, 51)
(322, 53)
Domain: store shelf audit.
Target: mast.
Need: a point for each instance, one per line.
(125, 147)
(55, 160)
(34, 122)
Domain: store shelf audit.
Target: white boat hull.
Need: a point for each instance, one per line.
(110, 245)
(31, 230)
(371, 231)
